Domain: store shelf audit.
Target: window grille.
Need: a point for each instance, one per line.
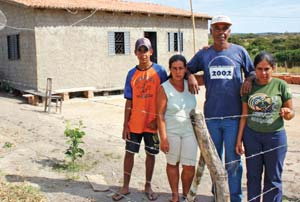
(175, 41)
(13, 47)
(118, 43)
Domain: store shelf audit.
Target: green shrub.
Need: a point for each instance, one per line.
(75, 136)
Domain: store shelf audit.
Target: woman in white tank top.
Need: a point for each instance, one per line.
(177, 139)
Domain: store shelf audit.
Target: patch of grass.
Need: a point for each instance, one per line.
(72, 169)
(287, 199)
(7, 145)
(20, 192)
(294, 70)
(66, 167)
(75, 167)
(112, 156)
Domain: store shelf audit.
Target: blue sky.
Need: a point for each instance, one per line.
(248, 16)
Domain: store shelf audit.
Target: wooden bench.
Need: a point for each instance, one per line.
(31, 99)
(88, 92)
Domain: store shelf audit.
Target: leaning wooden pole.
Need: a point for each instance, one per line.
(197, 179)
(194, 26)
(209, 156)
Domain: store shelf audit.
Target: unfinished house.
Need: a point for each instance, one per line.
(88, 45)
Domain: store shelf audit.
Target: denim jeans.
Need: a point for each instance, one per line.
(271, 163)
(223, 133)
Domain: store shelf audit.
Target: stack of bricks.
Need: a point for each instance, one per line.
(89, 94)
(65, 96)
(291, 79)
(32, 99)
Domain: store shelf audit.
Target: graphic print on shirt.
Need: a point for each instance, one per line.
(221, 67)
(263, 107)
(144, 84)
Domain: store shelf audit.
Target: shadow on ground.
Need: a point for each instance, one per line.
(84, 190)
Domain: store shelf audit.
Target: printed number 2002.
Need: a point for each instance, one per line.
(219, 73)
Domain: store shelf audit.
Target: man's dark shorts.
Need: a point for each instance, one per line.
(151, 142)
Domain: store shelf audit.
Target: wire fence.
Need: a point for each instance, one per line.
(188, 158)
(127, 197)
(208, 119)
(110, 135)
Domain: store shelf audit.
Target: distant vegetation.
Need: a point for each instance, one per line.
(285, 47)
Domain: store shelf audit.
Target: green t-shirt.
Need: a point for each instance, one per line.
(264, 103)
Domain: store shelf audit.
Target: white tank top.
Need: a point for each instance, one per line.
(179, 106)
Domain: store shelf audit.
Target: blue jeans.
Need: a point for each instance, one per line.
(271, 163)
(224, 133)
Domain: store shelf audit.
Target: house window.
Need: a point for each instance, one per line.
(181, 41)
(118, 43)
(13, 47)
(175, 41)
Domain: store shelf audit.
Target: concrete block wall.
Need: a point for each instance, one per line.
(77, 56)
(20, 73)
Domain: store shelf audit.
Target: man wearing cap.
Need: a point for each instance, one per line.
(223, 64)
(140, 91)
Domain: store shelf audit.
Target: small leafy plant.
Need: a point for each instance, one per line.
(7, 145)
(6, 86)
(75, 136)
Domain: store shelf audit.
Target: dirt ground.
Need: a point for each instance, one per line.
(38, 144)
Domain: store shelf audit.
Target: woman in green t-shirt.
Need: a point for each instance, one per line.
(262, 132)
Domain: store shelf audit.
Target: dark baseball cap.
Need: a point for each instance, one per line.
(143, 42)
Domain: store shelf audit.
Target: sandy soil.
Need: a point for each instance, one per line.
(39, 144)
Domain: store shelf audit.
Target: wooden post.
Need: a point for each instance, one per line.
(88, 94)
(197, 178)
(194, 26)
(285, 66)
(65, 96)
(209, 156)
(48, 95)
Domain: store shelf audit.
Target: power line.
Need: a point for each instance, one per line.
(261, 16)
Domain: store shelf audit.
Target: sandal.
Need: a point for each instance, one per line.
(118, 196)
(151, 196)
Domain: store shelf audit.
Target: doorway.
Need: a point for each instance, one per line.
(152, 37)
